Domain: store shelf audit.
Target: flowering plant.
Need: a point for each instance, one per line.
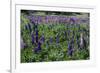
(54, 36)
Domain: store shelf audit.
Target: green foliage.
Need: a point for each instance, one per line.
(54, 51)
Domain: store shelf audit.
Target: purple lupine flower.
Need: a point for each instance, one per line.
(60, 20)
(32, 19)
(39, 46)
(73, 20)
(36, 36)
(36, 19)
(36, 32)
(47, 19)
(32, 38)
(36, 50)
(39, 19)
(70, 50)
(65, 20)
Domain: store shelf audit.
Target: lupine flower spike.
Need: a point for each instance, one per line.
(70, 50)
(36, 36)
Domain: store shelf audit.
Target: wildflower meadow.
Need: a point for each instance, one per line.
(47, 36)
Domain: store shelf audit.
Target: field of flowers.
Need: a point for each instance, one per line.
(54, 36)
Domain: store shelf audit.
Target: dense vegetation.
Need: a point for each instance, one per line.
(55, 38)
